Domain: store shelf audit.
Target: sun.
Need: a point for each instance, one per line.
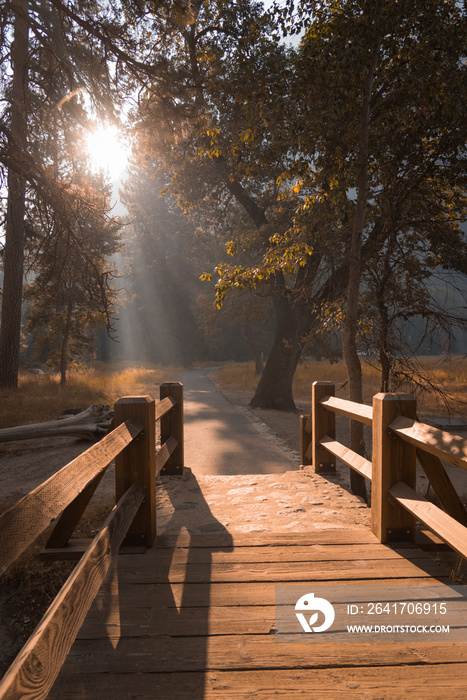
(107, 151)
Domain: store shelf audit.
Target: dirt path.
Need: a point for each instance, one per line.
(245, 471)
(25, 464)
(222, 438)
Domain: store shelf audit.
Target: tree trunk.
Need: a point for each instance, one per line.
(254, 351)
(259, 363)
(349, 343)
(12, 294)
(65, 341)
(63, 363)
(94, 422)
(275, 386)
(384, 357)
(294, 322)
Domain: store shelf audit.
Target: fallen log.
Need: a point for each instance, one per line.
(90, 424)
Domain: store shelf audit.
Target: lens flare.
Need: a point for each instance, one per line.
(106, 150)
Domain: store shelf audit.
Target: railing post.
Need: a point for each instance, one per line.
(136, 464)
(393, 460)
(172, 426)
(323, 423)
(305, 440)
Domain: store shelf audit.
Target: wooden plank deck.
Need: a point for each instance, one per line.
(194, 618)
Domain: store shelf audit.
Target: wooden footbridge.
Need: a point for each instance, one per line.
(187, 615)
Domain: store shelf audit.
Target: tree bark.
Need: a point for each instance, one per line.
(92, 423)
(64, 361)
(12, 294)
(65, 341)
(294, 322)
(275, 386)
(349, 337)
(255, 352)
(384, 358)
(259, 363)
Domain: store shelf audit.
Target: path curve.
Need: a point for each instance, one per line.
(223, 439)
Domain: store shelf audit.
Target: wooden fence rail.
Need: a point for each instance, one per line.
(65, 496)
(398, 440)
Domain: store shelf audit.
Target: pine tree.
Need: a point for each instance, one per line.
(48, 61)
(71, 294)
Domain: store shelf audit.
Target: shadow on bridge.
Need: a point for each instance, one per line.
(146, 635)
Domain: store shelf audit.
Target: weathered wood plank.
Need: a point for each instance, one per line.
(285, 571)
(393, 461)
(433, 517)
(110, 621)
(35, 668)
(136, 463)
(172, 426)
(164, 453)
(442, 485)
(452, 448)
(429, 542)
(353, 459)
(164, 406)
(160, 595)
(447, 680)
(266, 539)
(234, 652)
(299, 553)
(356, 411)
(191, 622)
(71, 516)
(76, 548)
(323, 423)
(72, 551)
(24, 522)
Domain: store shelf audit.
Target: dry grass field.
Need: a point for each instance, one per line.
(41, 398)
(449, 375)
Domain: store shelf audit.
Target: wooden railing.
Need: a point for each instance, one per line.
(398, 439)
(65, 496)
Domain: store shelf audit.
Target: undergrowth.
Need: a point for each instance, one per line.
(30, 585)
(41, 397)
